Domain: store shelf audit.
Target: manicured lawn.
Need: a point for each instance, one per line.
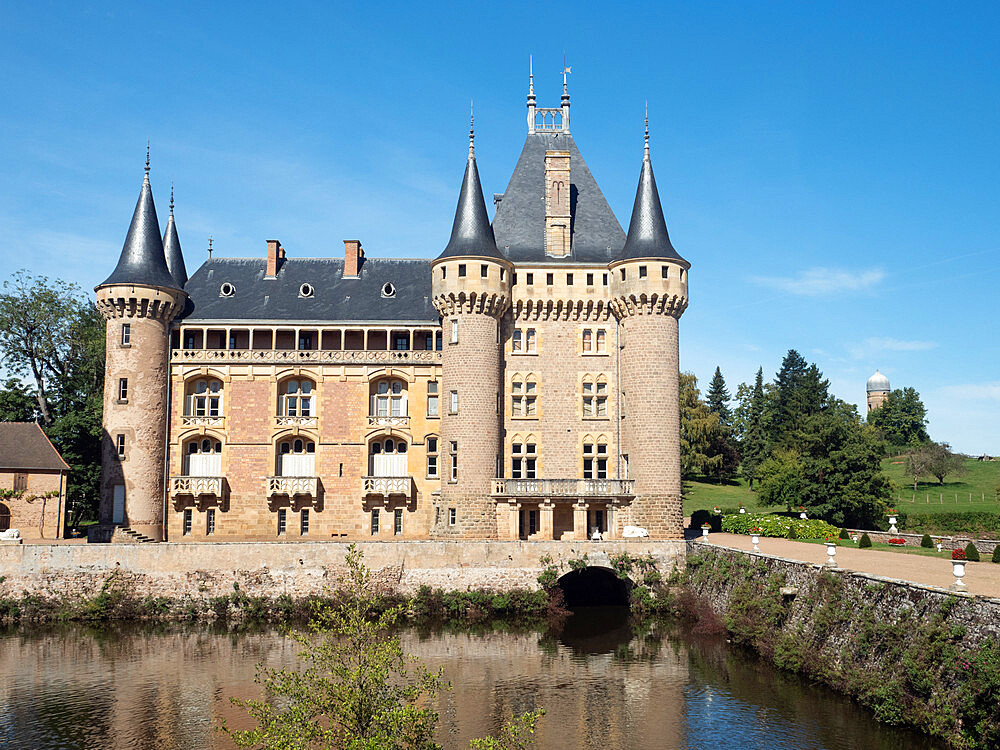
(975, 490)
(700, 495)
(906, 549)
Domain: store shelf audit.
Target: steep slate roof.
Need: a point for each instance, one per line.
(647, 232)
(24, 447)
(142, 260)
(334, 297)
(519, 224)
(471, 234)
(172, 249)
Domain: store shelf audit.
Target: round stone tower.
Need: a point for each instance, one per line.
(649, 292)
(878, 390)
(471, 291)
(138, 300)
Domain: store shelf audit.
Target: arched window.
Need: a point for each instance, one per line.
(523, 458)
(204, 398)
(295, 398)
(595, 396)
(523, 394)
(388, 398)
(595, 458)
(296, 457)
(203, 457)
(387, 457)
(4, 517)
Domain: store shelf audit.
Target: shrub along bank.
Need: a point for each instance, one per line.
(912, 655)
(778, 526)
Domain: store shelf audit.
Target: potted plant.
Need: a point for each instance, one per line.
(705, 528)
(831, 550)
(742, 509)
(958, 569)
(755, 538)
(717, 511)
(802, 512)
(892, 521)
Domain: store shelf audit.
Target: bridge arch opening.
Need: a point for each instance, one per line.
(594, 587)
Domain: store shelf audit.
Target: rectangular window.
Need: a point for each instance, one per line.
(621, 405)
(452, 516)
(461, 269)
(665, 272)
(605, 279)
(432, 398)
(453, 402)
(590, 279)
(444, 272)
(602, 341)
(549, 279)
(186, 528)
(375, 522)
(20, 482)
(523, 341)
(305, 341)
(523, 460)
(210, 522)
(517, 340)
(624, 465)
(529, 340)
(484, 270)
(120, 445)
(282, 517)
(304, 522)
(502, 273)
(530, 279)
(523, 394)
(397, 522)
(400, 343)
(454, 331)
(588, 343)
(453, 449)
(432, 458)
(623, 274)
(595, 399)
(126, 334)
(123, 390)
(642, 272)
(569, 279)
(595, 461)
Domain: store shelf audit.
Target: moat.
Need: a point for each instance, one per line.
(603, 682)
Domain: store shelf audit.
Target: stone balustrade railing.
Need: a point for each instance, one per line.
(388, 485)
(563, 487)
(388, 421)
(192, 421)
(308, 356)
(281, 421)
(196, 486)
(292, 486)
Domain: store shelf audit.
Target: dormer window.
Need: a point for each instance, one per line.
(388, 290)
(306, 290)
(227, 290)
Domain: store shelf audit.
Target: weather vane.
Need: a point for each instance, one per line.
(209, 247)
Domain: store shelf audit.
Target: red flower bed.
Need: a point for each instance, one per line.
(958, 554)
(897, 540)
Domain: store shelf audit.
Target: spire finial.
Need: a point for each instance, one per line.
(147, 159)
(531, 77)
(472, 130)
(647, 132)
(210, 247)
(171, 197)
(566, 69)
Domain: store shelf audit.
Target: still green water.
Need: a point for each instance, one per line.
(601, 684)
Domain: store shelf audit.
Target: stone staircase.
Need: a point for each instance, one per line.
(125, 535)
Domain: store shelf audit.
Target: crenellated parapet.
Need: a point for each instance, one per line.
(471, 285)
(484, 303)
(649, 286)
(118, 301)
(578, 309)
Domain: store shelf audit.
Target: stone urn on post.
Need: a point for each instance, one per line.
(892, 521)
(705, 528)
(755, 538)
(958, 570)
(831, 551)
(742, 509)
(802, 513)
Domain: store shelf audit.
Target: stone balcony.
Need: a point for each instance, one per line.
(197, 486)
(292, 486)
(306, 356)
(189, 420)
(386, 486)
(281, 421)
(569, 488)
(388, 421)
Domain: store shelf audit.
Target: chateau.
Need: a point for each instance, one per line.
(522, 385)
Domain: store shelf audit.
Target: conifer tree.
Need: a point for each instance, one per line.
(787, 384)
(698, 428)
(754, 448)
(718, 399)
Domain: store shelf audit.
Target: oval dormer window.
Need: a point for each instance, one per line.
(388, 290)
(306, 290)
(227, 290)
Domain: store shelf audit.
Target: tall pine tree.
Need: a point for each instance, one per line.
(754, 448)
(718, 399)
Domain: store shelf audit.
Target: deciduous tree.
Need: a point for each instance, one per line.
(901, 419)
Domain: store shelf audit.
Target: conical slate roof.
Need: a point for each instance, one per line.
(172, 249)
(142, 260)
(471, 234)
(647, 233)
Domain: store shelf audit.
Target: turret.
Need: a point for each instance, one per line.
(172, 248)
(471, 291)
(878, 390)
(649, 294)
(138, 300)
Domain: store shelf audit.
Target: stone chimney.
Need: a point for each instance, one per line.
(557, 213)
(275, 255)
(353, 257)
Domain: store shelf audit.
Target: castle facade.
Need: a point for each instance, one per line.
(522, 385)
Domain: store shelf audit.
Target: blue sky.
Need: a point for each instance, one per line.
(829, 169)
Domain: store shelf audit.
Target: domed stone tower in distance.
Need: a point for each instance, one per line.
(649, 293)
(471, 290)
(878, 390)
(138, 302)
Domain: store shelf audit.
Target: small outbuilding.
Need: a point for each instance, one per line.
(32, 482)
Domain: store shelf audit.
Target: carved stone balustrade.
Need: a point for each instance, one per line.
(573, 488)
(192, 421)
(293, 486)
(386, 486)
(294, 421)
(388, 421)
(197, 486)
(308, 356)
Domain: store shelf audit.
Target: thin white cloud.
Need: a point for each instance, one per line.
(875, 345)
(973, 392)
(818, 282)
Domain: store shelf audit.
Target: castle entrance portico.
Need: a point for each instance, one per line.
(560, 509)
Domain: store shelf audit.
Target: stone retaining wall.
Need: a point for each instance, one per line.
(200, 571)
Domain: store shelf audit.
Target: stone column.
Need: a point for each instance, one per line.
(609, 522)
(513, 519)
(580, 530)
(546, 525)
